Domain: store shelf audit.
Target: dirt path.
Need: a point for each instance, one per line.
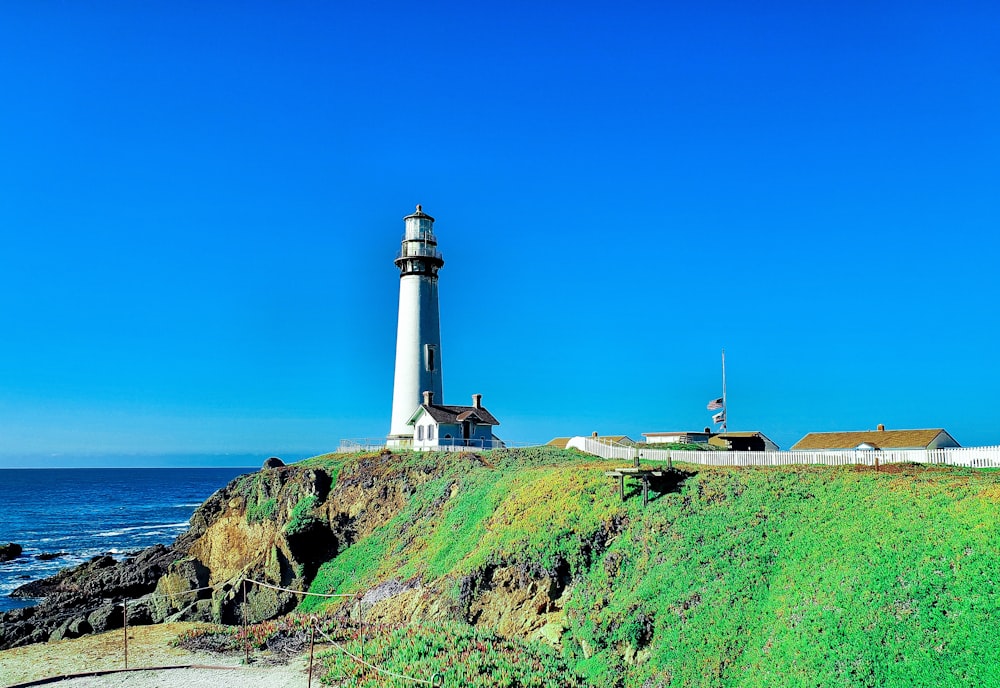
(148, 646)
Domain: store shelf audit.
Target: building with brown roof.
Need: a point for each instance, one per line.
(933, 438)
(743, 441)
(438, 425)
(679, 437)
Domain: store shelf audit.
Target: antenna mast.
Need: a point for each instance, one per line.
(725, 410)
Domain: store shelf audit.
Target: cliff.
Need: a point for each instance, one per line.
(728, 577)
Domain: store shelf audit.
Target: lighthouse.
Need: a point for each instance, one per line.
(418, 333)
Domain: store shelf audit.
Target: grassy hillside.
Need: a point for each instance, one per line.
(787, 576)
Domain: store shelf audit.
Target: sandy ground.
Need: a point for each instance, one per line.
(148, 646)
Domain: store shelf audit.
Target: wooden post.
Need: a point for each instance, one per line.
(621, 486)
(246, 634)
(125, 627)
(361, 626)
(645, 490)
(312, 645)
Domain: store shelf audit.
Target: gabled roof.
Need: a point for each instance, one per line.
(454, 414)
(722, 439)
(616, 439)
(678, 432)
(883, 439)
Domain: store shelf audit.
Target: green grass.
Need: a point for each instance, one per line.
(301, 518)
(791, 576)
(450, 654)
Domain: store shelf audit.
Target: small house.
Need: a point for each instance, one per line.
(932, 438)
(438, 425)
(743, 441)
(680, 437)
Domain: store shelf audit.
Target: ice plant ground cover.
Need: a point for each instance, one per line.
(731, 577)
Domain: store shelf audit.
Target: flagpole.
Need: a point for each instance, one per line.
(725, 411)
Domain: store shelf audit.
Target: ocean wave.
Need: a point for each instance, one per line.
(134, 529)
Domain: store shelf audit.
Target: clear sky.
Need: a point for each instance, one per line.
(200, 204)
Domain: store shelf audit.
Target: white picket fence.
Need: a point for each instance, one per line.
(969, 457)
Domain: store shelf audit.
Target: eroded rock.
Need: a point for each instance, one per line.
(10, 551)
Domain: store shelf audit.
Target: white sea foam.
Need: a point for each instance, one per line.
(133, 529)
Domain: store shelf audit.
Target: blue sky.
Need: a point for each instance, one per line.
(200, 204)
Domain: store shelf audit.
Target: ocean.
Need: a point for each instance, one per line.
(80, 513)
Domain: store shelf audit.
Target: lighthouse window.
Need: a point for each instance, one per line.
(430, 356)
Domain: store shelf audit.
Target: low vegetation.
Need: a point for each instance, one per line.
(789, 576)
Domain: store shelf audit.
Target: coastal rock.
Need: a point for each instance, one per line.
(66, 580)
(49, 556)
(274, 462)
(276, 528)
(107, 617)
(181, 587)
(82, 599)
(10, 551)
(71, 628)
(270, 527)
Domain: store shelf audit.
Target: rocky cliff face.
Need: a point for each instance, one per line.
(277, 527)
(268, 526)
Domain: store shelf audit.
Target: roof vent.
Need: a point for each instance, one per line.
(881, 428)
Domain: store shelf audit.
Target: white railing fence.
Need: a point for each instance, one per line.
(969, 457)
(363, 444)
(374, 444)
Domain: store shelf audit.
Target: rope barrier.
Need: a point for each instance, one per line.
(182, 592)
(296, 592)
(372, 666)
(314, 623)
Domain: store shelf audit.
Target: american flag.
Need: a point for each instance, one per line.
(715, 404)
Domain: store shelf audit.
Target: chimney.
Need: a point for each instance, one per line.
(595, 434)
(477, 401)
(881, 428)
(428, 398)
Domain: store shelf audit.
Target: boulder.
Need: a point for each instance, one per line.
(78, 626)
(274, 462)
(174, 591)
(140, 612)
(11, 550)
(71, 628)
(106, 618)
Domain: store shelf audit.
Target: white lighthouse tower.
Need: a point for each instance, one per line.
(418, 335)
